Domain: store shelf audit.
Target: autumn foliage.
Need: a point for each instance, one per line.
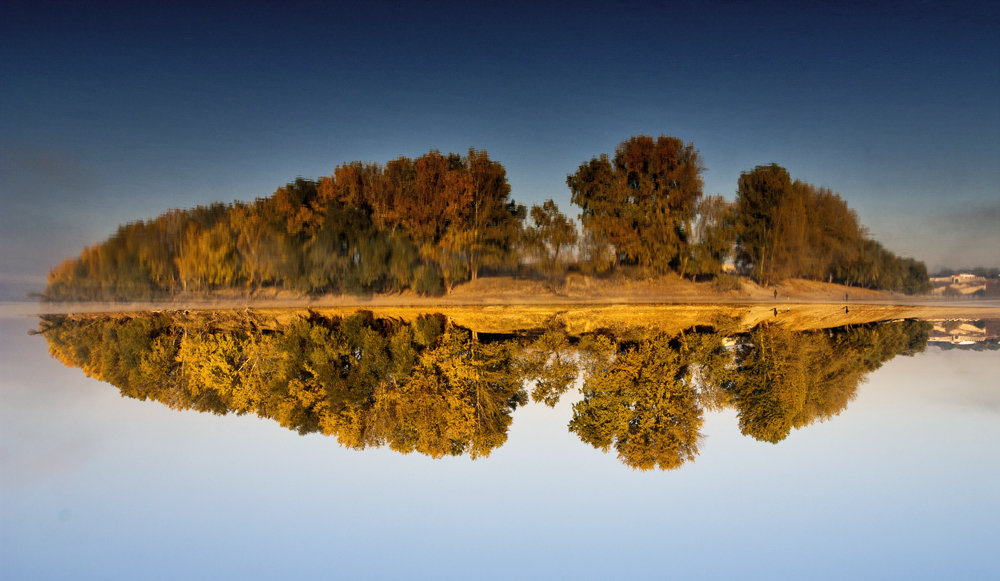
(423, 224)
(431, 387)
(429, 223)
(789, 228)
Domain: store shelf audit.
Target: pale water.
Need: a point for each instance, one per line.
(899, 483)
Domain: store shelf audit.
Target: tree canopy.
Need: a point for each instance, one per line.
(642, 200)
(789, 228)
(423, 224)
(429, 223)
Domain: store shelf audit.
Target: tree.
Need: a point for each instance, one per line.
(494, 221)
(833, 234)
(550, 234)
(642, 201)
(458, 400)
(759, 195)
(548, 361)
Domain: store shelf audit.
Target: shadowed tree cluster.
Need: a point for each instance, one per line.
(429, 223)
(789, 228)
(422, 224)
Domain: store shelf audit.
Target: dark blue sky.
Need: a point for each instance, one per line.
(111, 111)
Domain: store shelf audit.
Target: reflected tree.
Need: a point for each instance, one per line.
(431, 387)
(548, 361)
(642, 403)
(783, 379)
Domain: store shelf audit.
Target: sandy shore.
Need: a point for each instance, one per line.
(581, 318)
(580, 304)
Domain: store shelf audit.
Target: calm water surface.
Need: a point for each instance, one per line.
(863, 452)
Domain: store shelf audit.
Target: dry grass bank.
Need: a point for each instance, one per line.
(580, 303)
(667, 288)
(582, 318)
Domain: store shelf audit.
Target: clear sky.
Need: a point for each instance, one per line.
(111, 112)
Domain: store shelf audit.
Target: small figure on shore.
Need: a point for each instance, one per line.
(775, 293)
(846, 297)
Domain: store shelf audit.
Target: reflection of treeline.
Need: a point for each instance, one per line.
(780, 379)
(369, 382)
(646, 398)
(432, 387)
(428, 223)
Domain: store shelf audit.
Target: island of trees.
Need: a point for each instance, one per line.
(429, 223)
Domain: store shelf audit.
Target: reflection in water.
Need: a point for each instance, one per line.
(439, 389)
(782, 380)
(641, 399)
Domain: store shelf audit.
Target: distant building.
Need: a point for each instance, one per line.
(958, 332)
(962, 284)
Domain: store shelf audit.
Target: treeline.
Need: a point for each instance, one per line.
(428, 223)
(645, 208)
(439, 389)
(422, 224)
(787, 228)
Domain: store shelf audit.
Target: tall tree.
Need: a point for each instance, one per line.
(493, 220)
(759, 196)
(642, 201)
